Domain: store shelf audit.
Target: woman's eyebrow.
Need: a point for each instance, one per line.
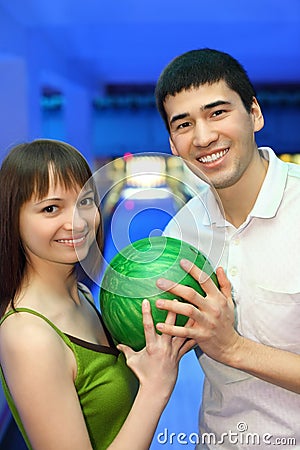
(49, 199)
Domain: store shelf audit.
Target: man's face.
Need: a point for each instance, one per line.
(212, 131)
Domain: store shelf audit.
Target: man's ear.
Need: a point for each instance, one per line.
(258, 118)
(173, 148)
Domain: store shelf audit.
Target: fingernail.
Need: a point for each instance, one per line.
(161, 283)
(145, 304)
(186, 264)
(159, 303)
(160, 326)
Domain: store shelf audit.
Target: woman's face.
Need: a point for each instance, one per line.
(61, 227)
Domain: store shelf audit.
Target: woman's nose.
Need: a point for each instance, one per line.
(75, 220)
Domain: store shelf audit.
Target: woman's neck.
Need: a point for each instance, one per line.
(49, 282)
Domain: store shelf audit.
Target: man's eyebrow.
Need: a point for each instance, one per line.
(214, 104)
(203, 108)
(178, 117)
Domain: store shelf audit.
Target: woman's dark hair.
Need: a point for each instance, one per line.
(25, 172)
(198, 67)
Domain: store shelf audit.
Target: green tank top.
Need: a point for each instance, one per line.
(106, 387)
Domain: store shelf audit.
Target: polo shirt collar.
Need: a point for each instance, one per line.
(272, 190)
(269, 197)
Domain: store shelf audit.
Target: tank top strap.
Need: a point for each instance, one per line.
(35, 313)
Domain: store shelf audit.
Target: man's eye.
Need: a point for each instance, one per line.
(184, 125)
(218, 112)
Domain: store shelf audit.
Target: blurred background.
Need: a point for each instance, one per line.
(85, 72)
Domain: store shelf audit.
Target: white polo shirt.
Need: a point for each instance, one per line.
(262, 261)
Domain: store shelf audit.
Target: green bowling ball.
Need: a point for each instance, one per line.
(131, 276)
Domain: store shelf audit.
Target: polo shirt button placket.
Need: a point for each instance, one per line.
(234, 271)
(234, 256)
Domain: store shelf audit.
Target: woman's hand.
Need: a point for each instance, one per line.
(212, 317)
(156, 365)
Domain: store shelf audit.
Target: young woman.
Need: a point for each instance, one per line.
(68, 386)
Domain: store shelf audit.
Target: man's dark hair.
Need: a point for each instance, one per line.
(198, 67)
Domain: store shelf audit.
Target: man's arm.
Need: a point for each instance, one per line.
(213, 329)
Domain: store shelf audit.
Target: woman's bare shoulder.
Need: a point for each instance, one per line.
(27, 332)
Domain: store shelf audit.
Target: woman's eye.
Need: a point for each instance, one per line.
(88, 201)
(50, 209)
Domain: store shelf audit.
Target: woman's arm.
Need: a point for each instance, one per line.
(40, 370)
(45, 395)
(213, 330)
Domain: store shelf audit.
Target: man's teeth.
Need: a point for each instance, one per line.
(213, 157)
(71, 241)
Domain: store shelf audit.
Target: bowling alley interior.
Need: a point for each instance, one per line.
(85, 73)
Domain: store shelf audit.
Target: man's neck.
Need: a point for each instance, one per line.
(238, 200)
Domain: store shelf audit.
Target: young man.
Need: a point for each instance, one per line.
(246, 221)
